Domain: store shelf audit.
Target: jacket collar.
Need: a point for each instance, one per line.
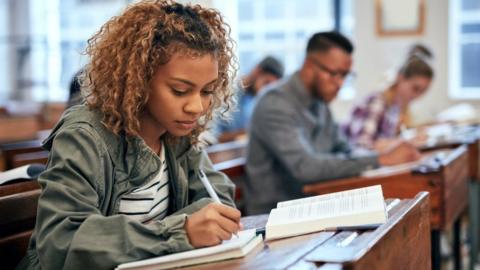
(296, 88)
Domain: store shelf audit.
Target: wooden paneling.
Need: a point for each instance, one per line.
(14, 129)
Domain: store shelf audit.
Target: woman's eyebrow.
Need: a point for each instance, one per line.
(183, 81)
(191, 83)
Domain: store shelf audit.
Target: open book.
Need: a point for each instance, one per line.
(363, 207)
(30, 171)
(234, 248)
(429, 162)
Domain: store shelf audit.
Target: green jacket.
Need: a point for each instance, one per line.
(89, 169)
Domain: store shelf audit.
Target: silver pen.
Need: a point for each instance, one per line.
(208, 186)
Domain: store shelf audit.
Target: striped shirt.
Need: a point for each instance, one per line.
(149, 201)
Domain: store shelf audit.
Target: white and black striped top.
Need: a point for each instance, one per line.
(149, 201)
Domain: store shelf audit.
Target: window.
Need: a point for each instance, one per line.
(282, 28)
(464, 49)
(42, 43)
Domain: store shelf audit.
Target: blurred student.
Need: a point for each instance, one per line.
(121, 182)
(74, 93)
(265, 72)
(293, 139)
(378, 118)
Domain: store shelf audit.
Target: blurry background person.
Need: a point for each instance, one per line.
(74, 94)
(265, 72)
(294, 139)
(377, 120)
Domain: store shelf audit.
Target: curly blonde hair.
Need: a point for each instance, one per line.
(128, 49)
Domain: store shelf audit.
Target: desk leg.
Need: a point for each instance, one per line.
(474, 223)
(436, 256)
(457, 252)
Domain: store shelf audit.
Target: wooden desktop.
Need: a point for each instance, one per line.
(447, 185)
(402, 243)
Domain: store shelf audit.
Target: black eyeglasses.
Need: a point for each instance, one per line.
(332, 73)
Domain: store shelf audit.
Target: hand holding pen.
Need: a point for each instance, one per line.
(213, 223)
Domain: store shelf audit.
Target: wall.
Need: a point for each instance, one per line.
(374, 55)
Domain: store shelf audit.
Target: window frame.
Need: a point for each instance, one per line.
(455, 42)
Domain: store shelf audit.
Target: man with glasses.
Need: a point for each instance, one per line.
(293, 138)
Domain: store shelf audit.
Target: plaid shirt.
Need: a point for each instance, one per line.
(371, 120)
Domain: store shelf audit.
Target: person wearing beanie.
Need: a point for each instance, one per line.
(264, 73)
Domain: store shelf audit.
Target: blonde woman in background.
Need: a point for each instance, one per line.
(378, 118)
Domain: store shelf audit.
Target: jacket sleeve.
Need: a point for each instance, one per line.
(72, 233)
(275, 125)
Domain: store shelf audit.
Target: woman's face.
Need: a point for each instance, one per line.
(181, 92)
(411, 88)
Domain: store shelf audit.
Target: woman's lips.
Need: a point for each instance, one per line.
(187, 124)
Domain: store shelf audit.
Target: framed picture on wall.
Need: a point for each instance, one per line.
(406, 17)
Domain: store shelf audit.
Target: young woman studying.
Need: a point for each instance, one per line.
(378, 119)
(122, 179)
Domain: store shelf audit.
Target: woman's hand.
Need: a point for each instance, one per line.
(399, 152)
(212, 224)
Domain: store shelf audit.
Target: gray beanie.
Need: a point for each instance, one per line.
(272, 65)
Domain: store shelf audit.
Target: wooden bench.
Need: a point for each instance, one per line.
(18, 128)
(227, 151)
(10, 152)
(18, 211)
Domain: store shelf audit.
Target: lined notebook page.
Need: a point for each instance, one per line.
(244, 237)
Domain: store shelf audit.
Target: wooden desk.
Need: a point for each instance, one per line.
(469, 136)
(227, 151)
(402, 243)
(448, 188)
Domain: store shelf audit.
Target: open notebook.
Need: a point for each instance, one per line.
(234, 248)
(363, 207)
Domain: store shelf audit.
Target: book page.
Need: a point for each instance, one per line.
(13, 174)
(243, 238)
(386, 170)
(377, 189)
(408, 166)
(361, 202)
